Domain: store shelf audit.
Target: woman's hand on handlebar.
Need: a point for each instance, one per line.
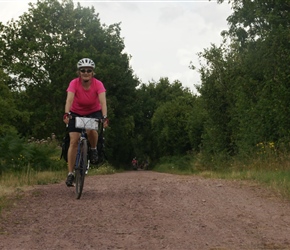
(66, 118)
(105, 122)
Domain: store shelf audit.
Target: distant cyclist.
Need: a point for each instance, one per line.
(86, 96)
(135, 163)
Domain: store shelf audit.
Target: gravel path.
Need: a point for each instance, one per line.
(147, 210)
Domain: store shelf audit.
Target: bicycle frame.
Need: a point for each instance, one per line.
(83, 137)
(82, 163)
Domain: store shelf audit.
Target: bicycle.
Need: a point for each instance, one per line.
(82, 163)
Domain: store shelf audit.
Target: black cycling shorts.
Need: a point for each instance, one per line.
(72, 120)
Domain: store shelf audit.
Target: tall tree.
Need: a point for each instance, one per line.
(245, 85)
(162, 120)
(256, 19)
(41, 50)
(265, 53)
(217, 94)
(8, 108)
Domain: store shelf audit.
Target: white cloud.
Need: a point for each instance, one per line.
(171, 12)
(162, 37)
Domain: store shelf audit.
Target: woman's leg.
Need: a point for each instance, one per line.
(72, 151)
(93, 138)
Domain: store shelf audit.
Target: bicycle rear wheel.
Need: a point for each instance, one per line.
(81, 167)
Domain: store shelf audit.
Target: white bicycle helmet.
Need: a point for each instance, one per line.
(86, 62)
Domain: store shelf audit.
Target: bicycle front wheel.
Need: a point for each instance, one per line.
(81, 167)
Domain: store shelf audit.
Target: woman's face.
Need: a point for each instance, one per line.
(86, 74)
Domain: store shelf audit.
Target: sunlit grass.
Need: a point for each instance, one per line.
(14, 183)
(32, 164)
(273, 172)
(102, 170)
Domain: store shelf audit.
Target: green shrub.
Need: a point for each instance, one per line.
(16, 155)
(174, 164)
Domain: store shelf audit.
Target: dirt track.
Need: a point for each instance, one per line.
(148, 211)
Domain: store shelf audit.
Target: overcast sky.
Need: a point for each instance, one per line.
(162, 37)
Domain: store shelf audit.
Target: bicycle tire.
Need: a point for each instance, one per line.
(81, 167)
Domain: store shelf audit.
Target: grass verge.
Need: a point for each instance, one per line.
(13, 184)
(272, 174)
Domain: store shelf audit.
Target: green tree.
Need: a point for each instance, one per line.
(41, 50)
(217, 94)
(163, 111)
(245, 83)
(9, 111)
(169, 125)
(252, 20)
(265, 55)
(149, 97)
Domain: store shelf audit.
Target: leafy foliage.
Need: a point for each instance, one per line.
(164, 112)
(40, 52)
(245, 86)
(16, 155)
(243, 101)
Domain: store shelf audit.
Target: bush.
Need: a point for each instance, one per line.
(175, 164)
(16, 155)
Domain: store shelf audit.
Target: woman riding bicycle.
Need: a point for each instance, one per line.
(86, 96)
